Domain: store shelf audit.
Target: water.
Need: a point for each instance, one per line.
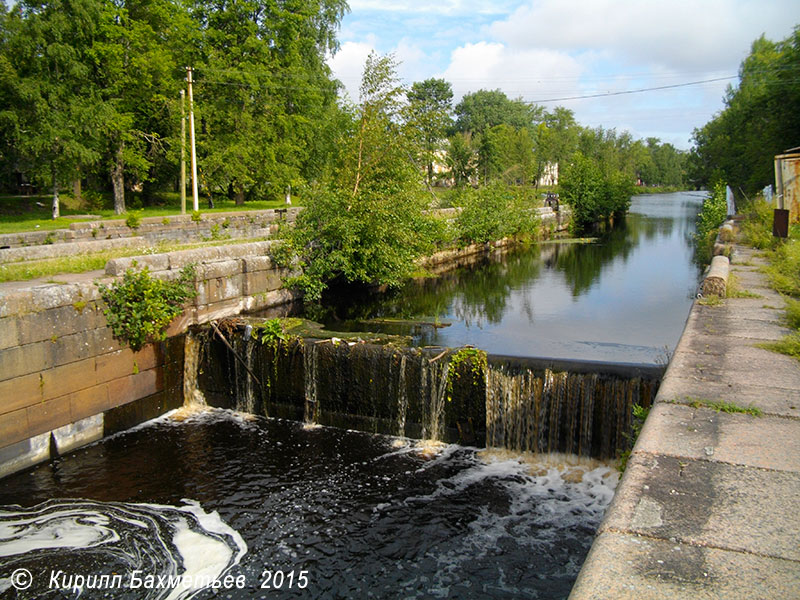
(624, 298)
(348, 514)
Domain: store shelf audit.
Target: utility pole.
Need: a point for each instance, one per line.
(195, 202)
(183, 152)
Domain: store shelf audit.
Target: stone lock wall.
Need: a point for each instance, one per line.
(65, 381)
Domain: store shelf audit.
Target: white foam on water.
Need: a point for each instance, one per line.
(154, 539)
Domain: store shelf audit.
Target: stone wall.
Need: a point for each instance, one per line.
(62, 374)
(178, 228)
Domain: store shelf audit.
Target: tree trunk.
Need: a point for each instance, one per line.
(118, 181)
(76, 190)
(239, 197)
(56, 210)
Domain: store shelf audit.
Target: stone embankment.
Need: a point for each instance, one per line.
(64, 380)
(707, 505)
(33, 245)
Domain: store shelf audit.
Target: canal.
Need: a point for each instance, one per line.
(273, 508)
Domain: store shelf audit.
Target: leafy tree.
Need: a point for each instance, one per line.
(761, 119)
(49, 116)
(594, 194)
(461, 159)
(429, 113)
(366, 224)
(265, 94)
(479, 111)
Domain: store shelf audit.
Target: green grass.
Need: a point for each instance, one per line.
(726, 407)
(734, 289)
(712, 300)
(18, 214)
(25, 271)
(788, 345)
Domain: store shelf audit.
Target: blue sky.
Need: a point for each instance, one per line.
(545, 49)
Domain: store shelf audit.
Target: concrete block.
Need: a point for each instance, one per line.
(631, 566)
(77, 434)
(706, 503)
(9, 334)
(704, 434)
(89, 402)
(219, 310)
(20, 392)
(14, 427)
(24, 454)
(68, 378)
(48, 415)
(269, 299)
(16, 302)
(220, 269)
(22, 360)
(252, 264)
(133, 387)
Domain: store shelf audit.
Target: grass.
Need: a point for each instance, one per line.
(788, 345)
(25, 271)
(726, 407)
(783, 271)
(712, 300)
(31, 213)
(734, 289)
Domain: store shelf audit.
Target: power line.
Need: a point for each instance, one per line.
(650, 89)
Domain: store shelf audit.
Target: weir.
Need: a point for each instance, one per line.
(523, 404)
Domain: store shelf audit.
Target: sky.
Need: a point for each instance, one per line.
(544, 51)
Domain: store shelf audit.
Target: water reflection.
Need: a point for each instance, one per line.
(623, 298)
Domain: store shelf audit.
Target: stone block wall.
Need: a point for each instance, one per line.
(62, 374)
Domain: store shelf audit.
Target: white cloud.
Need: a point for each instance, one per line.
(684, 35)
(348, 65)
(519, 73)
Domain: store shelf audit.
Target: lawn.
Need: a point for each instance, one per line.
(30, 213)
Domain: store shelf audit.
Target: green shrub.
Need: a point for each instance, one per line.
(133, 220)
(713, 212)
(492, 213)
(139, 307)
(756, 229)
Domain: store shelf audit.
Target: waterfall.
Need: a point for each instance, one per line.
(526, 405)
(310, 377)
(587, 414)
(192, 395)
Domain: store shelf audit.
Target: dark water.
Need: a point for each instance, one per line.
(348, 514)
(624, 298)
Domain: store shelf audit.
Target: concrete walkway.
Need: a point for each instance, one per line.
(709, 506)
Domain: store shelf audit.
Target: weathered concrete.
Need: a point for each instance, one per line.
(707, 505)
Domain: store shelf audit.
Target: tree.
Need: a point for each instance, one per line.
(761, 119)
(461, 158)
(366, 224)
(429, 113)
(265, 96)
(480, 111)
(50, 117)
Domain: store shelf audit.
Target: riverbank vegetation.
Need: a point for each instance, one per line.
(761, 119)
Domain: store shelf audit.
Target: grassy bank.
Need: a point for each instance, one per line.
(783, 270)
(32, 213)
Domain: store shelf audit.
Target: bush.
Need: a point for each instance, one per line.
(139, 308)
(757, 228)
(374, 238)
(494, 212)
(594, 195)
(133, 220)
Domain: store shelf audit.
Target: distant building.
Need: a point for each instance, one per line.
(549, 175)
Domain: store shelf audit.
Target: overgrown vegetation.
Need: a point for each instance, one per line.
(473, 361)
(761, 118)
(595, 191)
(140, 307)
(640, 414)
(712, 214)
(494, 212)
(726, 407)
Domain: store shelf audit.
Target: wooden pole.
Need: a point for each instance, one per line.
(195, 200)
(183, 152)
